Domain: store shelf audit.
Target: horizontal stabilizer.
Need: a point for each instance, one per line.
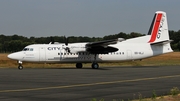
(161, 42)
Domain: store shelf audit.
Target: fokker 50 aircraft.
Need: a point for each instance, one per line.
(156, 42)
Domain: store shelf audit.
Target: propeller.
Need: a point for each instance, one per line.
(66, 40)
(51, 40)
(66, 43)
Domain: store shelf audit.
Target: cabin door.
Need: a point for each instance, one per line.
(129, 54)
(42, 54)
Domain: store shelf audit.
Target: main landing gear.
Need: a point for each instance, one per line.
(78, 65)
(94, 64)
(20, 67)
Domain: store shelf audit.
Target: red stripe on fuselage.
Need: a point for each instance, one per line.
(155, 27)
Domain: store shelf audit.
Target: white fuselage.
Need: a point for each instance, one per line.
(55, 53)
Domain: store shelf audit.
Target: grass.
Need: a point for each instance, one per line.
(174, 96)
(162, 60)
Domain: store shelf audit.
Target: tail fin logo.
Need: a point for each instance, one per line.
(160, 28)
(157, 26)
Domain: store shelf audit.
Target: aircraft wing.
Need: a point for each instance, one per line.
(101, 47)
(102, 43)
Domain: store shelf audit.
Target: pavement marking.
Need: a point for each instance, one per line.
(90, 84)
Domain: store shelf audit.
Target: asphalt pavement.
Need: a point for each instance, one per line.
(71, 84)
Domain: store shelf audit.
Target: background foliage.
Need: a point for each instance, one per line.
(16, 43)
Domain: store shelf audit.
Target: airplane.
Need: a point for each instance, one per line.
(156, 42)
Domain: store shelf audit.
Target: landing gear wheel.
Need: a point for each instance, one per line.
(78, 65)
(20, 67)
(95, 65)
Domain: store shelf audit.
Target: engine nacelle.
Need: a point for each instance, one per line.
(77, 47)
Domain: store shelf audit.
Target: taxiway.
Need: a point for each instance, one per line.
(72, 84)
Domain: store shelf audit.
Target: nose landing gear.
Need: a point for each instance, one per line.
(20, 67)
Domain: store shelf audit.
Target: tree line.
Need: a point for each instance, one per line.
(16, 43)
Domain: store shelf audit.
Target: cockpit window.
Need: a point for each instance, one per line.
(28, 49)
(31, 49)
(25, 49)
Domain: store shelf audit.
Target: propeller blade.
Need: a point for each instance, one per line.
(52, 40)
(66, 40)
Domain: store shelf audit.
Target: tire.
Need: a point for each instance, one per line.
(95, 65)
(20, 67)
(78, 65)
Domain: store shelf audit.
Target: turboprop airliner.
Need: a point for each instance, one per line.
(156, 42)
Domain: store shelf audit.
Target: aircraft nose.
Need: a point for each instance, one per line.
(14, 56)
(11, 56)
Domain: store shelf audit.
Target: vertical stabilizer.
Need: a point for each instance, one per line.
(159, 28)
